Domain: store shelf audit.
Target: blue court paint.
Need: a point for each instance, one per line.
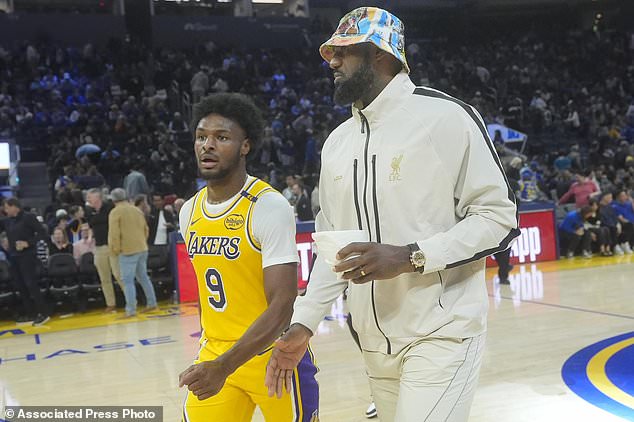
(619, 369)
(37, 339)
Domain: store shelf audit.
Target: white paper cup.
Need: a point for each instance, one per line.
(330, 242)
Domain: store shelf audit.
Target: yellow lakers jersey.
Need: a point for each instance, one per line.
(227, 260)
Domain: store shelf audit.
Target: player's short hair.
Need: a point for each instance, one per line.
(237, 107)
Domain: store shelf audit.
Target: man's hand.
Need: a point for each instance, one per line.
(373, 261)
(21, 245)
(580, 232)
(287, 352)
(204, 379)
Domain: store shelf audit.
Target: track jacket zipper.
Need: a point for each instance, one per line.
(365, 128)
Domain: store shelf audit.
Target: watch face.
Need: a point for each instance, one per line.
(418, 258)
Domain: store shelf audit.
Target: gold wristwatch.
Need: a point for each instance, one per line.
(417, 257)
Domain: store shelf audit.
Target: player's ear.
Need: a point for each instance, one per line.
(245, 148)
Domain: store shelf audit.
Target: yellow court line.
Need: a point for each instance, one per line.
(597, 376)
(93, 319)
(576, 263)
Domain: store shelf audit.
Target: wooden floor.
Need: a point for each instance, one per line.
(549, 312)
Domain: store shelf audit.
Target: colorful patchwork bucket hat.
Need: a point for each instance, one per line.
(369, 24)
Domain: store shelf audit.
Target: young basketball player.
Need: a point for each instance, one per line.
(240, 236)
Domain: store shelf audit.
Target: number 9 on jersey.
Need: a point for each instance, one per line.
(217, 298)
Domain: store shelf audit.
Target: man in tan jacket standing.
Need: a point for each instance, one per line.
(127, 239)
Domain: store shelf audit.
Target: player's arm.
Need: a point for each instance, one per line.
(280, 288)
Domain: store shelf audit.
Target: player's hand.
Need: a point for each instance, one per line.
(287, 352)
(204, 379)
(372, 261)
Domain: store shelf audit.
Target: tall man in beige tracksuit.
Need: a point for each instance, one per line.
(415, 169)
(127, 239)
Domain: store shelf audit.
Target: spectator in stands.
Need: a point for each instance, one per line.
(199, 85)
(77, 219)
(575, 157)
(135, 182)
(60, 218)
(59, 242)
(303, 209)
(288, 190)
(127, 239)
(161, 222)
(62, 221)
(582, 190)
(75, 99)
(609, 220)
(563, 161)
(600, 235)
(528, 189)
(560, 183)
(605, 184)
(572, 120)
(141, 203)
(177, 126)
(23, 231)
(86, 243)
(625, 213)
(513, 168)
(106, 263)
(573, 233)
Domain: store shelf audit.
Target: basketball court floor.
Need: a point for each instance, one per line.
(560, 348)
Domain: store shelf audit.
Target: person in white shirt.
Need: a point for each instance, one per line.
(162, 221)
(415, 169)
(288, 190)
(85, 244)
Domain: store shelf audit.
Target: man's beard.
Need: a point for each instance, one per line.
(355, 86)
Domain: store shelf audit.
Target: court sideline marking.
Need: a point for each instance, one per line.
(570, 308)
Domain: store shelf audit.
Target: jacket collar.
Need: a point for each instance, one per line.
(388, 100)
